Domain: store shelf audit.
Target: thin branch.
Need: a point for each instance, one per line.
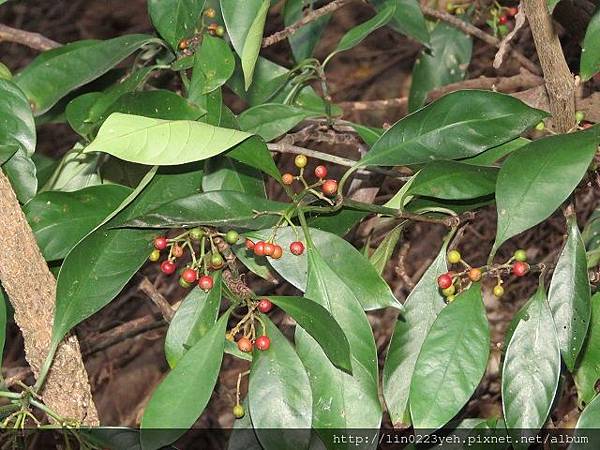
(163, 305)
(27, 38)
(309, 17)
(479, 34)
(560, 83)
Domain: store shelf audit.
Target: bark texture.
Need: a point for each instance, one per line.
(31, 289)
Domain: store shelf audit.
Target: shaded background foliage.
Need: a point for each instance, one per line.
(123, 344)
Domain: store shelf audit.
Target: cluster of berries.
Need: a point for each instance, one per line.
(198, 269)
(214, 29)
(451, 283)
(328, 187)
(275, 251)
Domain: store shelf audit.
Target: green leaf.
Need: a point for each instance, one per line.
(216, 61)
(196, 315)
(20, 170)
(304, 40)
(453, 180)
(408, 19)
(245, 28)
(44, 167)
(271, 120)
(75, 171)
(17, 128)
(420, 311)
(569, 295)
(588, 420)
(451, 362)
(184, 393)
(531, 367)
(350, 265)
(225, 174)
(175, 19)
(340, 400)
(587, 370)
(257, 265)
(357, 34)
(254, 153)
(279, 395)
(493, 155)
(384, 252)
(60, 220)
(321, 325)
(243, 435)
(536, 179)
(552, 4)
(55, 73)
(162, 142)
(590, 51)
(458, 125)
(446, 62)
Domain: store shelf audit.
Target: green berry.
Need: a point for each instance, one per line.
(540, 126)
(520, 255)
(196, 233)
(300, 161)
(216, 260)
(238, 411)
(154, 255)
(449, 291)
(184, 284)
(498, 291)
(232, 237)
(454, 256)
(579, 116)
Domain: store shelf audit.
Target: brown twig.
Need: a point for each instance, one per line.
(479, 34)
(309, 17)
(27, 38)
(157, 298)
(560, 83)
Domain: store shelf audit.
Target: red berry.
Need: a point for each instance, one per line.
(502, 20)
(264, 305)
(189, 275)
(160, 243)
(329, 187)
(269, 248)
(297, 248)
(444, 281)
(277, 252)
(177, 251)
(320, 171)
(205, 282)
(520, 268)
(259, 248)
(512, 11)
(249, 244)
(263, 343)
(287, 179)
(168, 267)
(244, 345)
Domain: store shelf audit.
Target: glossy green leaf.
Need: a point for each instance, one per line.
(531, 367)
(44, 167)
(340, 400)
(453, 180)
(74, 171)
(420, 311)
(493, 155)
(195, 316)
(385, 250)
(60, 220)
(254, 153)
(194, 378)
(216, 62)
(20, 170)
(304, 40)
(569, 295)
(357, 34)
(245, 28)
(101, 264)
(587, 370)
(590, 51)
(536, 179)
(175, 19)
(458, 125)
(368, 134)
(339, 223)
(256, 265)
(162, 142)
(408, 19)
(446, 62)
(588, 420)
(17, 128)
(451, 362)
(350, 265)
(55, 73)
(274, 400)
(321, 325)
(271, 120)
(225, 174)
(216, 208)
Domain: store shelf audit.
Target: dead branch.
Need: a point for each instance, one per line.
(27, 38)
